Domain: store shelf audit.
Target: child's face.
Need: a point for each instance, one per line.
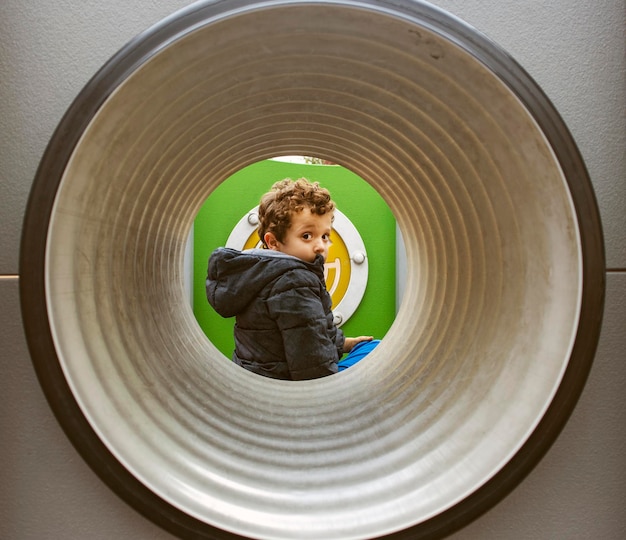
(308, 235)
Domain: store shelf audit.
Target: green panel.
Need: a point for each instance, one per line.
(371, 216)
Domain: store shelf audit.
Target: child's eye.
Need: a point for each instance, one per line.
(326, 237)
(307, 236)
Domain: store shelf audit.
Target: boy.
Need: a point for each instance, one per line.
(284, 325)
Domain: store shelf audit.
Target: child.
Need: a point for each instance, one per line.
(284, 325)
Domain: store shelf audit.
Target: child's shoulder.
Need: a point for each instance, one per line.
(302, 275)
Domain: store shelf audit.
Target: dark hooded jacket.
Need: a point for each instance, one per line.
(284, 325)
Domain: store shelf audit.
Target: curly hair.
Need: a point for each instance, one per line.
(286, 198)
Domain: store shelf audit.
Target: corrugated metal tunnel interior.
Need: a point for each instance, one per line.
(486, 355)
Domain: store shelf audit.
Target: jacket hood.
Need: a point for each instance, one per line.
(235, 278)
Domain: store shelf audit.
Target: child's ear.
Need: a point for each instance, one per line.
(270, 241)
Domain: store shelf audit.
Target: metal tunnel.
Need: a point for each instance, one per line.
(501, 312)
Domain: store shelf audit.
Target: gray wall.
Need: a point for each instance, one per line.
(573, 48)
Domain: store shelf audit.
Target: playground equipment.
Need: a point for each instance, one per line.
(505, 265)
